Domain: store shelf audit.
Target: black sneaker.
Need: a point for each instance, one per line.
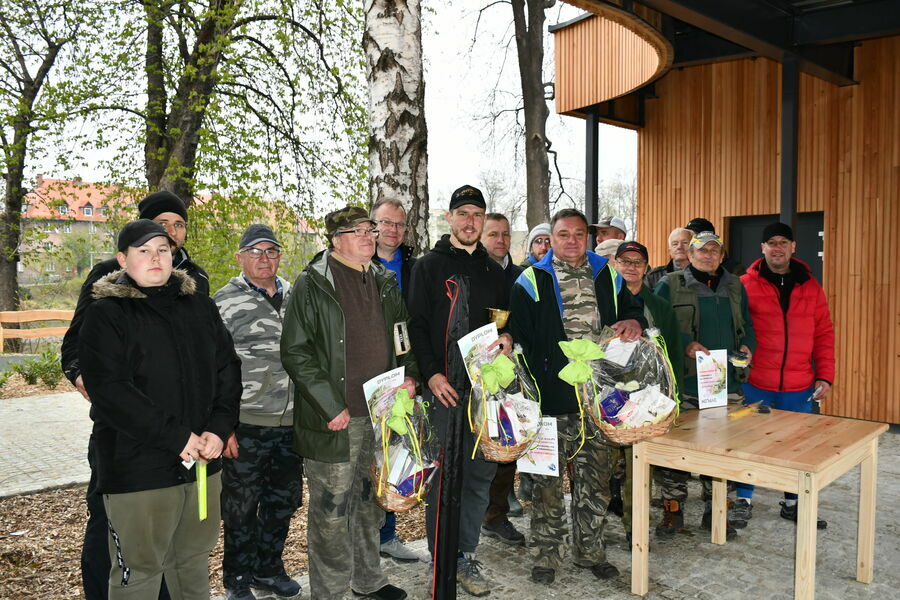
(503, 531)
(387, 592)
(789, 512)
(741, 512)
(280, 585)
(239, 592)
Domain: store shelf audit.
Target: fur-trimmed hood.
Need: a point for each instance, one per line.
(117, 285)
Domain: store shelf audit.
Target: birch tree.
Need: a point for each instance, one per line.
(398, 157)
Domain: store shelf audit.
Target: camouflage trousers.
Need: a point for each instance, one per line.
(261, 490)
(343, 520)
(590, 498)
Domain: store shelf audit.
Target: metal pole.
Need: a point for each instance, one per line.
(591, 168)
(790, 112)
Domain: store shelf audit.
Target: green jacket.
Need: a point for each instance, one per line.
(312, 351)
(716, 321)
(663, 318)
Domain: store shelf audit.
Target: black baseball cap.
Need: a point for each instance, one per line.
(633, 247)
(161, 202)
(137, 233)
(257, 233)
(467, 194)
(774, 229)
(699, 225)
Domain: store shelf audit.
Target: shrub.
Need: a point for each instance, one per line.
(45, 367)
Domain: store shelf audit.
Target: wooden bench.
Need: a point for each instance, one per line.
(29, 316)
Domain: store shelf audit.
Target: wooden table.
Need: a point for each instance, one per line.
(788, 451)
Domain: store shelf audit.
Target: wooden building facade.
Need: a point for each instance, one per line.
(710, 144)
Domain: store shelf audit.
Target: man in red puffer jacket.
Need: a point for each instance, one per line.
(794, 359)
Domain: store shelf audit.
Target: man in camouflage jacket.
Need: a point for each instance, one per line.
(570, 294)
(261, 484)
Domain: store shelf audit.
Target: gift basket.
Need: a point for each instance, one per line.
(404, 466)
(627, 388)
(504, 406)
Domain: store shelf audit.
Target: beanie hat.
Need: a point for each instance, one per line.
(537, 231)
(161, 202)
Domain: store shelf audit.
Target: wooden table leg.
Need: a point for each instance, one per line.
(807, 513)
(865, 536)
(719, 509)
(640, 521)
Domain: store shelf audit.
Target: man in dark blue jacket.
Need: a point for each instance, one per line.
(570, 294)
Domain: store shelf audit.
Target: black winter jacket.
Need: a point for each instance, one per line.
(429, 302)
(69, 348)
(158, 364)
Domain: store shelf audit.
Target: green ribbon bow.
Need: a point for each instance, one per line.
(403, 406)
(579, 351)
(498, 373)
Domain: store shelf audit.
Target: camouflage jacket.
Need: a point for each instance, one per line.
(256, 328)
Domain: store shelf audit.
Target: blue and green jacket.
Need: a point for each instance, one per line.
(536, 323)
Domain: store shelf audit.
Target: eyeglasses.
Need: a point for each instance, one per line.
(541, 241)
(393, 224)
(631, 263)
(359, 232)
(256, 253)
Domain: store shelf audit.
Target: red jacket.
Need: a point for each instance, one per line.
(788, 345)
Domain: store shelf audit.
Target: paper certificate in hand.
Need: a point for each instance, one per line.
(543, 458)
(712, 378)
(379, 392)
(473, 348)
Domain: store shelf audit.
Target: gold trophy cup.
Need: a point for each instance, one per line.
(498, 316)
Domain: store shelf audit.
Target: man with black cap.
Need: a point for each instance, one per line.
(261, 483)
(794, 360)
(339, 333)
(453, 285)
(168, 210)
(164, 382)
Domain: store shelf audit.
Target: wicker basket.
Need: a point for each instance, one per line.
(626, 436)
(389, 499)
(494, 451)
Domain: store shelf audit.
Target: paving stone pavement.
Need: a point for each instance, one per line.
(759, 564)
(43, 443)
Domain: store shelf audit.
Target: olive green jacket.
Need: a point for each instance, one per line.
(312, 351)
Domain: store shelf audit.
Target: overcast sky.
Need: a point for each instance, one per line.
(459, 79)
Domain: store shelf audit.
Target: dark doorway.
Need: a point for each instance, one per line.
(745, 233)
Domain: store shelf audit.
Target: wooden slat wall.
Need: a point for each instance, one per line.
(710, 148)
(599, 58)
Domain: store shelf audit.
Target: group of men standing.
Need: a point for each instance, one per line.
(263, 384)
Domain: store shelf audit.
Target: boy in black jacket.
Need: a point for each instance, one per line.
(165, 383)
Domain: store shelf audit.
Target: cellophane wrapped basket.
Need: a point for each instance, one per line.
(632, 395)
(504, 407)
(405, 451)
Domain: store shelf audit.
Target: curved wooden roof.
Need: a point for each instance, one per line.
(604, 55)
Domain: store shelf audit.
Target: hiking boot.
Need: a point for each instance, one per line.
(503, 531)
(706, 522)
(386, 592)
(741, 512)
(240, 591)
(515, 507)
(543, 575)
(616, 506)
(672, 520)
(396, 550)
(789, 512)
(468, 575)
(280, 585)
